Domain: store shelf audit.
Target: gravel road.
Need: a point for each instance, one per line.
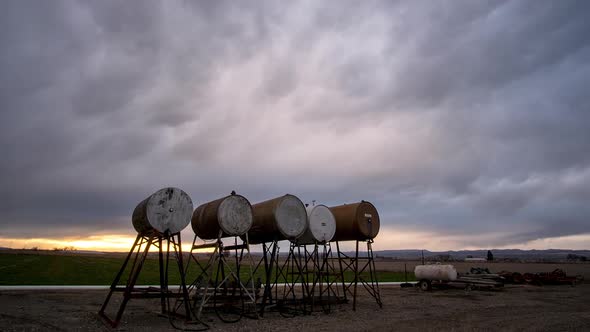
(515, 308)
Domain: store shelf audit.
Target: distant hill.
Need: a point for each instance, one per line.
(499, 254)
(550, 255)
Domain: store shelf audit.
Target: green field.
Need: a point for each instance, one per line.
(48, 269)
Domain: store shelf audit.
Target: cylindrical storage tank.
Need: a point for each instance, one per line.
(230, 216)
(168, 210)
(357, 221)
(281, 218)
(435, 272)
(321, 226)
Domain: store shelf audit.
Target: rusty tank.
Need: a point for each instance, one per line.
(281, 218)
(224, 217)
(166, 211)
(356, 221)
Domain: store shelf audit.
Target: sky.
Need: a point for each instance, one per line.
(466, 123)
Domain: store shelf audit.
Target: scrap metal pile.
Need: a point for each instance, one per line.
(437, 275)
(556, 277)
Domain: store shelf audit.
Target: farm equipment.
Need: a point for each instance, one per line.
(445, 276)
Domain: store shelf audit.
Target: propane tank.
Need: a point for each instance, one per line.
(435, 272)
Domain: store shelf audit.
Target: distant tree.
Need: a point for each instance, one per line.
(574, 257)
(490, 256)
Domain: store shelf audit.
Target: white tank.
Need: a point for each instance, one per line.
(435, 272)
(321, 225)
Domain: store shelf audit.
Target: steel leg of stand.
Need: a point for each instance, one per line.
(356, 275)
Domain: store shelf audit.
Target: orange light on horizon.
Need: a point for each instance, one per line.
(387, 239)
(107, 242)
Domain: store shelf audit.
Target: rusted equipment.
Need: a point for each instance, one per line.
(322, 278)
(485, 274)
(270, 263)
(511, 277)
(222, 283)
(281, 218)
(168, 210)
(230, 215)
(480, 270)
(293, 274)
(556, 277)
(357, 221)
(155, 219)
(309, 283)
(362, 265)
(139, 251)
(307, 279)
(321, 226)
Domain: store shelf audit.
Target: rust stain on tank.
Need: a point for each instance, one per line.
(356, 221)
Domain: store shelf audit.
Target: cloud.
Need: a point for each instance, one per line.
(454, 118)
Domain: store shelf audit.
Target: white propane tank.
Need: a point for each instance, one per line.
(321, 226)
(435, 272)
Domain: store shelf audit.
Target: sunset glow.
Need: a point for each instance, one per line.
(112, 242)
(388, 239)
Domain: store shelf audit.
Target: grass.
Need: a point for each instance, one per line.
(41, 269)
(30, 269)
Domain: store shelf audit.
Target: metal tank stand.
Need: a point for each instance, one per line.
(138, 255)
(222, 283)
(293, 274)
(336, 269)
(322, 283)
(363, 270)
(268, 266)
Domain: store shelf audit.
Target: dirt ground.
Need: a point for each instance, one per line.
(515, 308)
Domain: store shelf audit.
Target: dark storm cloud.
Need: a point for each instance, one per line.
(78, 112)
(464, 56)
(454, 117)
